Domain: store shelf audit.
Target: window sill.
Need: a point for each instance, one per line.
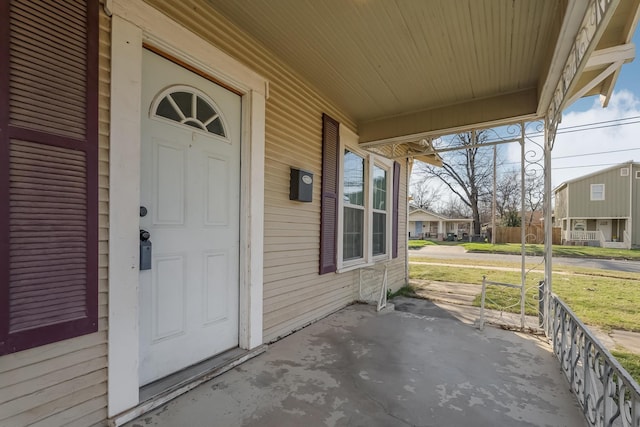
(351, 267)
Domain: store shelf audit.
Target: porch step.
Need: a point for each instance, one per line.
(615, 245)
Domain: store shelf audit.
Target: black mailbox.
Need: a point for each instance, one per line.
(301, 188)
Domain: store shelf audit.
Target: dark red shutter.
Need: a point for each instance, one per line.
(329, 202)
(48, 171)
(396, 204)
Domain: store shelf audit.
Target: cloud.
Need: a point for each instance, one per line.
(570, 149)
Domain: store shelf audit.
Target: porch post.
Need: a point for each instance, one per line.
(548, 226)
(523, 230)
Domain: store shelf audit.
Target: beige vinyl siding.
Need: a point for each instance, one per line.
(615, 204)
(65, 383)
(294, 293)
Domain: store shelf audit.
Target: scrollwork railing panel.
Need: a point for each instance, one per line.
(608, 395)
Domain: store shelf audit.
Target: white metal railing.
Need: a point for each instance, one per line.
(608, 395)
(584, 235)
(483, 298)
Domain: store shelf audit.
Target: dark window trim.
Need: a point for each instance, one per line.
(396, 206)
(4, 172)
(329, 196)
(42, 335)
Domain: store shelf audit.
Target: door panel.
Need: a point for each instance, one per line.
(169, 172)
(190, 184)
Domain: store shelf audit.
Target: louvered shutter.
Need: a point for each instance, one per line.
(396, 205)
(48, 171)
(329, 202)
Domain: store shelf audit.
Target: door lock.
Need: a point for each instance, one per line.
(145, 250)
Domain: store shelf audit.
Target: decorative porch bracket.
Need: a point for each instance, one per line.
(598, 14)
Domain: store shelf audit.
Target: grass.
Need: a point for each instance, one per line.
(630, 362)
(562, 251)
(537, 267)
(405, 291)
(608, 299)
(608, 302)
(417, 244)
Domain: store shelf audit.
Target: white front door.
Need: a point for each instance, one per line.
(605, 227)
(190, 189)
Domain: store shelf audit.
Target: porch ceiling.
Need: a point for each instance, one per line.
(407, 67)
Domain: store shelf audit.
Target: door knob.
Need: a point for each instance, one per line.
(144, 235)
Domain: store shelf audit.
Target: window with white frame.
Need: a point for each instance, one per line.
(366, 215)
(379, 209)
(354, 207)
(597, 191)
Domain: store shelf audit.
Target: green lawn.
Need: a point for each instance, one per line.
(630, 362)
(565, 251)
(608, 302)
(417, 244)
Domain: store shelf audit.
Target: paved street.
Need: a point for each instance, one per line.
(458, 252)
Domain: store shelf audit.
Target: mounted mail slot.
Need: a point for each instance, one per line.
(301, 188)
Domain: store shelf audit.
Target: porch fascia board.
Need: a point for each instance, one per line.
(479, 113)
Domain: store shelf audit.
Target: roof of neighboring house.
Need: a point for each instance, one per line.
(598, 172)
(413, 210)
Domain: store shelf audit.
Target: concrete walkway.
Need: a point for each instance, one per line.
(416, 366)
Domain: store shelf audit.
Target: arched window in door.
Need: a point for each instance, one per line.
(189, 107)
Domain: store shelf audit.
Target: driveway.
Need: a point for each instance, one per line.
(416, 366)
(458, 252)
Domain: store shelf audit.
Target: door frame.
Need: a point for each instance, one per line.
(135, 24)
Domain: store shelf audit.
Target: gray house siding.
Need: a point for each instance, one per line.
(560, 210)
(635, 224)
(616, 196)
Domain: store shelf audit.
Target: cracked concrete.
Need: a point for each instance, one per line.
(419, 367)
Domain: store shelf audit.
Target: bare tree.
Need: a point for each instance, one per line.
(454, 208)
(424, 194)
(508, 195)
(466, 172)
(533, 194)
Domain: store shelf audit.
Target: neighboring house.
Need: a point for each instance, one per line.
(601, 208)
(424, 224)
(186, 181)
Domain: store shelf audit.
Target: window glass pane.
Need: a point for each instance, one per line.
(204, 111)
(379, 188)
(352, 239)
(379, 240)
(597, 192)
(165, 109)
(353, 178)
(216, 127)
(184, 100)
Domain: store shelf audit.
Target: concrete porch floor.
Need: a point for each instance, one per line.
(416, 366)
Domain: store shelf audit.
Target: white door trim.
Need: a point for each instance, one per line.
(135, 23)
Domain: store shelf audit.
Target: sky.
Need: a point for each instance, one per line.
(577, 151)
